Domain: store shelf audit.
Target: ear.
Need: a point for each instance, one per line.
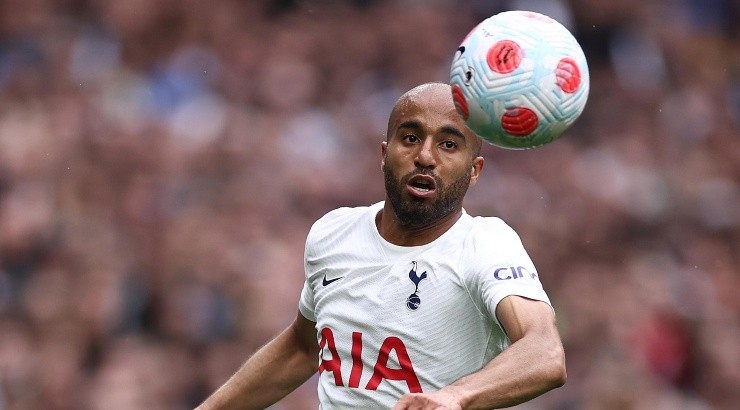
(477, 168)
(383, 149)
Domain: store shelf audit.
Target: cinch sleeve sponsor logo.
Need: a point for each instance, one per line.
(512, 272)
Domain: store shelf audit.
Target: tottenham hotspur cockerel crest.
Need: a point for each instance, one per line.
(413, 301)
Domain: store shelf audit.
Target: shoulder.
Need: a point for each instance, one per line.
(338, 218)
(492, 242)
(339, 233)
(492, 231)
(339, 222)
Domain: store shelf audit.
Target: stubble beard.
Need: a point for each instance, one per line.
(418, 212)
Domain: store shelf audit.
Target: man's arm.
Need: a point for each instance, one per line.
(275, 370)
(531, 366)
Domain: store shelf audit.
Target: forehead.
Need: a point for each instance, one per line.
(432, 106)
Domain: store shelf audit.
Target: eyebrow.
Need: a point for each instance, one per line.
(454, 132)
(414, 124)
(410, 124)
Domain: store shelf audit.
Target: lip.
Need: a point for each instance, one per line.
(418, 192)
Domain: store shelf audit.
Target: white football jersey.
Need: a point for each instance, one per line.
(394, 319)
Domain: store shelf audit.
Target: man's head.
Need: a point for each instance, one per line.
(430, 157)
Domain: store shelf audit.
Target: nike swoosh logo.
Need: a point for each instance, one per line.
(327, 282)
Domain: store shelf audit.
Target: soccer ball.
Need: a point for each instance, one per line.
(519, 79)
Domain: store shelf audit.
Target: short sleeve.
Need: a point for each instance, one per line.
(501, 267)
(306, 305)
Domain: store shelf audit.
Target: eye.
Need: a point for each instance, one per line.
(449, 144)
(411, 138)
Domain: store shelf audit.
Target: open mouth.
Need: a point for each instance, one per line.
(422, 186)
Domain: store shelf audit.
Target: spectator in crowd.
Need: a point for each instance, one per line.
(158, 159)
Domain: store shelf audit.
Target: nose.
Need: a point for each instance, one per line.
(425, 155)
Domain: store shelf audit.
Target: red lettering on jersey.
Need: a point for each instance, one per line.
(354, 377)
(406, 372)
(335, 364)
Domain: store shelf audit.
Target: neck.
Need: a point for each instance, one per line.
(398, 233)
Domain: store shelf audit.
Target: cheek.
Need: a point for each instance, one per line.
(398, 161)
(457, 174)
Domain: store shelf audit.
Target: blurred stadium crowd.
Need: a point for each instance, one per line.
(161, 162)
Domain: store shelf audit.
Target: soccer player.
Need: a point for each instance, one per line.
(412, 303)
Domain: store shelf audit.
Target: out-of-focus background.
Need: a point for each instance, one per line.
(161, 162)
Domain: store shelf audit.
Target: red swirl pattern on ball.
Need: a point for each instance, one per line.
(461, 105)
(504, 56)
(519, 121)
(567, 75)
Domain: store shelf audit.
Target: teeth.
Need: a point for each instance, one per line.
(422, 186)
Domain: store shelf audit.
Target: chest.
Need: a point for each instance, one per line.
(412, 321)
(414, 297)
